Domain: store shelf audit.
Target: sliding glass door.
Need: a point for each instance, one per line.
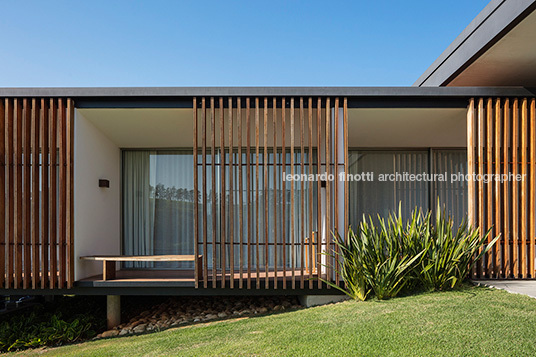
(158, 208)
(377, 197)
(158, 205)
(382, 194)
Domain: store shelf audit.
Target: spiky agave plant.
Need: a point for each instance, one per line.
(410, 234)
(387, 262)
(451, 253)
(375, 258)
(349, 265)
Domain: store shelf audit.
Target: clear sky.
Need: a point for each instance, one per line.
(225, 43)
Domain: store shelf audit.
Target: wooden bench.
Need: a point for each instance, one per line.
(108, 261)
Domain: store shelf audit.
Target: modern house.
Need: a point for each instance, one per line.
(117, 191)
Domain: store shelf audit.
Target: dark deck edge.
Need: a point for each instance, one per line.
(138, 284)
(166, 290)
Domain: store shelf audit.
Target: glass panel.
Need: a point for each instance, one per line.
(158, 201)
(158, 208)
(452, 193)
(380, 197)
(275, 221)
(376, 197)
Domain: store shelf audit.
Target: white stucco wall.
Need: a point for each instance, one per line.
(97, 211)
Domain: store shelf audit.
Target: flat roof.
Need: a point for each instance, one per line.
(487, 28)
(162, 92)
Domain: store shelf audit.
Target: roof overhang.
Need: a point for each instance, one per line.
(496, 49)
(181, 97)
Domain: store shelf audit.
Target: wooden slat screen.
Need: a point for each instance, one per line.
(254, 229)
(36, 188)
(501, 140)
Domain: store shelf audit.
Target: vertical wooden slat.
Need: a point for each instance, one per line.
(196, 196)
(455, 167)
(27, 218)
(515, 203)
(257, 189)
(231, 194)
(498, 227)
(248, 187)
(10, 193)
(346, 192)
(481, 143)
(302, 195)
(506, 204)
(204, 188)
(35, 191)
(69, 128)
(336, 187)
(18, 191)
(452, 194)
(311, 186)
(3, 191)
(45, 162)
(222, 194)
(524, 132)
(346, 162)
(62, 192)
(532, 187)
(240, 192)
(489, 185)
(292, 223)
(53, 238)
(283, 192)
(266, 195)
(213, 189)
(276, 193)
(328, 189)
(319, 190)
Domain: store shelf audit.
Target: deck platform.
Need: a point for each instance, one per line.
(185, 278)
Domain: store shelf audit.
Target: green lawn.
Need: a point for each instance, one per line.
(472, 321)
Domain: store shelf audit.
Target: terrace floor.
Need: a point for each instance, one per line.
(185, 278)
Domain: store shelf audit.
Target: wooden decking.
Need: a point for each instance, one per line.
(178, 278)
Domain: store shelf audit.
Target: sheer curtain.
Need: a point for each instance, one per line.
(274, 199)
(451, 194)
(380, 198)
(138, 207)
(270, 219)
(158, 205)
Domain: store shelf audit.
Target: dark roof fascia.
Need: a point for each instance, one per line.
(189, 92)
(488, 27)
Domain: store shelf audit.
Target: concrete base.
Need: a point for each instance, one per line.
(315, 300)
(113, 310)
(523, 287)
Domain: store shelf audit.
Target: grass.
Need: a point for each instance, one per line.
(471, 321)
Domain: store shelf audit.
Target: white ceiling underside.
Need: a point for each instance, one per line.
(367, 127)
(144, 128)
(407, 127)
(509, 62)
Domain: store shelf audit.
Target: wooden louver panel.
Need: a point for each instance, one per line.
(255, 230)
(501, 140)
(36, 193)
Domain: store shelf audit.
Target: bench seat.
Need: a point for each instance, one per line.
(108, 261)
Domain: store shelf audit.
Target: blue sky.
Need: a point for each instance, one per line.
(225, 43)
